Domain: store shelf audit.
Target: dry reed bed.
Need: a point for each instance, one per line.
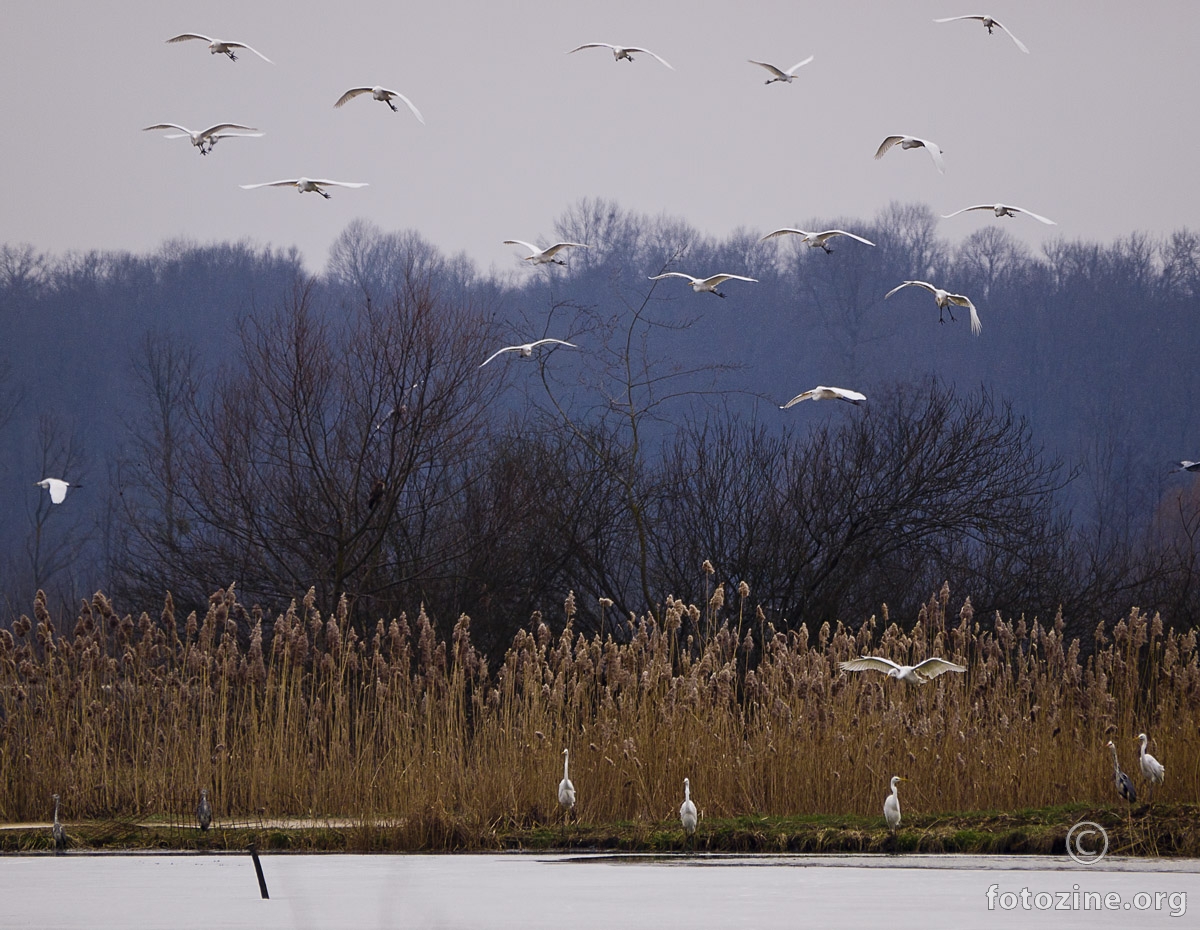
(131, 717)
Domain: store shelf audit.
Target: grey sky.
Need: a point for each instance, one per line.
(1095, 128)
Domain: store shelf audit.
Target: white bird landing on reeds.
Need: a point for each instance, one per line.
(702, 285)
(778, 74)
(944, 301)
(815, 240)
(220, 46)
(526, 350)
(687, 810)
(990, 23)
(621, 51)
(57, 488)
(912, 142)
(382, 93)
(546, 255)
(566, 788)
(891, 804)
(205, 139)
(306, 185)
(820, 392)
(1002, 209)
(1152, 769)
(913, 674)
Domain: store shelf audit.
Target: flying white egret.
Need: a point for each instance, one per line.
(566, 789)
(622, 51)
(779, 75)
(204, 810)
(1186, 465)
(1002, 209)
(306, 185)
(382, 93)
(546, 255)
(990, 23)
(815, 240)
(912, 142)
(702, 285)
(687, 810)
(220, 46)
(57, 488)
(58, 831)
(820, 392)
(944, 300)
(1122, 781)
(1152, 769)
(891, 805)
(205, 137)
(526, 350)
(913, 674)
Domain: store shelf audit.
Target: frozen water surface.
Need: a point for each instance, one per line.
(591, 892)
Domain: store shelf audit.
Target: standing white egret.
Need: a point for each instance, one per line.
(1122, 781)
(526, 350)
(57, 488)
(621, 51)
(990, 23)
(912, 142)
(546, 255)
(205, 139)
(891, 805)
(220, 46)
(702, 285)
(815, 240)
(1002, 209)
(204, 810)
(382, 93)
(820, 392)
(306, 185)
(780, 75)
(566, 789)
(944, 300)
(58, 831)
(687, 810)
(913, 674)
(1152, 769)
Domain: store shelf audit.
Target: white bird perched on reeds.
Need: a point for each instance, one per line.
(204, 811)
(820, 392)
(891, 804)
(546, 255)
(621, 51)
(1152, 769)
(1002, 209)
(912, 142)
(57, 831)
(990, 23)
(220, 46)
(1123, 783)
(306, 185)
(57, 488)
(944, 301)
(205, 139)
(687, 810)
(702, 285)
(778, 74)
(815, 240)
(383, 94)
(526, 350)
(913, 674)
(566, 788)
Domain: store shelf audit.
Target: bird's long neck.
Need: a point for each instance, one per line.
(687, 791)
(56, 802)
(1116, 764)
(566, 762)
(1142, 751)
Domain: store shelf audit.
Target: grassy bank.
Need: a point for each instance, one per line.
(1161, 830)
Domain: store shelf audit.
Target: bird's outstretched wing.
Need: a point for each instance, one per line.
(500, 352)
(925, 284)
(1016, 41)
(290, 182)
(326, 183)
(557, 342)
(961, 300)
(352, 93)
(673, 274)
(221, 127)
(869, 664)
(559, 246)
(842, 232)
(1036, 216)
(786, 231)
(250, 49)
(887, 144)
(408, 103)
(185, 36)
(722, 278)
(183, 129)
(800, 64)
(592, 45)
(522, 242)
(933, 667)
(646, 51)
(762, 64)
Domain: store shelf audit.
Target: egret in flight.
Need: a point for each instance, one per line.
(912, 142)
(1002, 209)
(306, 185)
(914, 674)
(526, 350)
(989, 23)
(205, 139)
(546, 255)
(57, 488)
(820, 392)
(621, 51)
(944, 300)
(382, 93)
(702, 285)
(815, 240)
(220, 46)
(779, 75)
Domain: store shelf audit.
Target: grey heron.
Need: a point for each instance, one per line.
(204, 810)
